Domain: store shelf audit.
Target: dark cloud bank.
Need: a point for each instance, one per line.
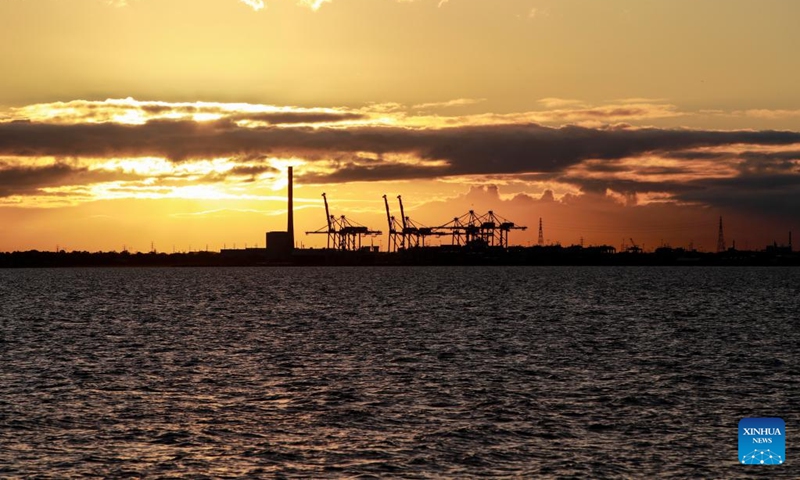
(469, 149)
(22, 180)
(765, 181)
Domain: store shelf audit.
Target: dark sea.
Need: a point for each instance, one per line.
(530, 372)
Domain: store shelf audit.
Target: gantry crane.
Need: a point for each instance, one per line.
(413, 235)
(486, 230)
(343, 234)
(394, 227)
(634, 248)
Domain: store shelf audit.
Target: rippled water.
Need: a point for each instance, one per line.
(396, 372)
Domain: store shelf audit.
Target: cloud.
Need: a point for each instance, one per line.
(180, 143)
(553, 102)
(277, 118)
(21, 180)
(131, 111)
(768, 114)
(509, 148)
(572, 114)
(747, 161)
(459, 102)
(353, 172)
(254, 4)
(313, 4)
(625, 186)
(248, 172)
(608, 113)
(768, 195)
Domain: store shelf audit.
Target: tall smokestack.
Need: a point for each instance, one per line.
(290, 223)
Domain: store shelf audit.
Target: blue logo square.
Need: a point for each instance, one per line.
(762, 441)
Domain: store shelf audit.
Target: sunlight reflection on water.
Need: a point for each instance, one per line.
(453, 372)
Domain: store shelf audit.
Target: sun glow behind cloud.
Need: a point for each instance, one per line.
(568, 153)
(134, 112)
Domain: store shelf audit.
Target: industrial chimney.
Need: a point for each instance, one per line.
(290, 222)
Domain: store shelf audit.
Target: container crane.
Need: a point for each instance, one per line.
(633, 248)
(413, 235)
(481, 230)
(343, 234)
(393, 227)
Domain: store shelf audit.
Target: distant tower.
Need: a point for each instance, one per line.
(721, 238)
(541, 233)
(290, 219)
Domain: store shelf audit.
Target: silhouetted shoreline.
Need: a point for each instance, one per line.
(424, 256)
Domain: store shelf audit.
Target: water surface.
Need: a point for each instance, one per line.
(395, 372)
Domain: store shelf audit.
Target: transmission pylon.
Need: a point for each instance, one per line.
(720, 238)
(541, 233)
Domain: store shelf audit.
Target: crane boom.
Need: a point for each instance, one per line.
(327, 213)
(402, 212)
(388, 215)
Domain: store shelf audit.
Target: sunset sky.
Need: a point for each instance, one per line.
(173, 121)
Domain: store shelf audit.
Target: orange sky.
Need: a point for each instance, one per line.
(172, 121)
